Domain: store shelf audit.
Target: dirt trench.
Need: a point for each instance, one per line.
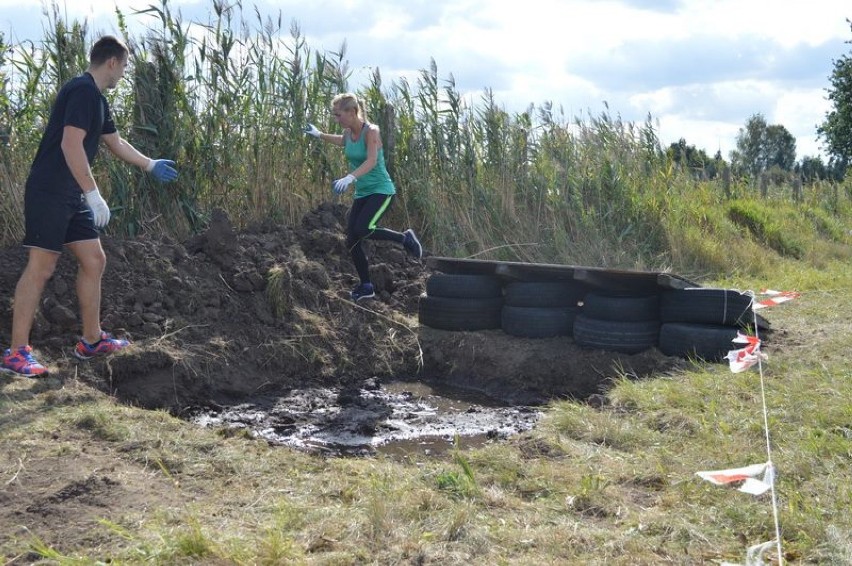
(228, 315)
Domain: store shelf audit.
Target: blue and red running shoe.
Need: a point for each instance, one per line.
(22, 362)
(103, 347)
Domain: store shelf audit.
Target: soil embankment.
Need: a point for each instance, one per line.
(227, 315)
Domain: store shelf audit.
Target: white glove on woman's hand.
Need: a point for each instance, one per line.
(99, 207)
(340, 185)
(312, 130)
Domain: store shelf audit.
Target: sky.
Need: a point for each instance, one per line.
(699, 68)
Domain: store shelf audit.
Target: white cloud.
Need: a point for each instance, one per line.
(787, 23)
(700, 68)
(801, 111)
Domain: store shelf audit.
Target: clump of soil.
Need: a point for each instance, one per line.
(227, 315)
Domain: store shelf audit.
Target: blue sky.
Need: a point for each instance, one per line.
(700, 68)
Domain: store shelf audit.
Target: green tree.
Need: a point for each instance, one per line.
(812, 169)
(837, 128)
(779, 147)
(760, 146)
(695, 160)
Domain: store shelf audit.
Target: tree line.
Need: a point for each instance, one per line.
(769, 150)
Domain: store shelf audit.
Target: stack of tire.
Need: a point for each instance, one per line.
(540, 309)
(703, 322)
(461, 302)
(618, 322)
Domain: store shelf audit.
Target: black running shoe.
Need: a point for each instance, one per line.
(363, 291)
(412, 244)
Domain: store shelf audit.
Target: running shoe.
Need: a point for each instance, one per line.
(22, 362)
(412, 244)
(105, 346)
(363, 291)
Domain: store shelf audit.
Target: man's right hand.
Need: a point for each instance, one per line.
(99, 207)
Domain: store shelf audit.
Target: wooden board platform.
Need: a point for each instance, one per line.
(597, 277)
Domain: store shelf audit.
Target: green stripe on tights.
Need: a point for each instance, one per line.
(375, 219)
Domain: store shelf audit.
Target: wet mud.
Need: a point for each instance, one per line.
(396, 418)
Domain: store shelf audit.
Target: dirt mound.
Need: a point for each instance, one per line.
(227, 314)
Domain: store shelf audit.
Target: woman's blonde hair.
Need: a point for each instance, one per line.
(348, 101)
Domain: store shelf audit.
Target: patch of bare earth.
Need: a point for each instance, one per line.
(222, 317)
(59, 489)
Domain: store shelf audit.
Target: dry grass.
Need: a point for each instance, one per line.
(473, 179)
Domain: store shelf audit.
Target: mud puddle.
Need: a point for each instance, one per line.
(398, 418)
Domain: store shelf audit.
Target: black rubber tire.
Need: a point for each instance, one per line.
(621, 307)
(706, 306)
(618, 336)
(538, 322)
(710, 342)
(447, 313)
(460, 286)
(544, 293)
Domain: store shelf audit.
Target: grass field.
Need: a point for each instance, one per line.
(611, 485)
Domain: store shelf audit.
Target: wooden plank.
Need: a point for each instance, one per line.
(671, 281)
(510, 271)
(614, 279)
(461, 266)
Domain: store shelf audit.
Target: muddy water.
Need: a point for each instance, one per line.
(398, 419)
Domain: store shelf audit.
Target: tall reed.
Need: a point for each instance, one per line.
(227, 100)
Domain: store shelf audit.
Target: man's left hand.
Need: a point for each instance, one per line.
(163, 170)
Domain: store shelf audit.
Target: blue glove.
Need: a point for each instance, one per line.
(340, 185)
(162, 169)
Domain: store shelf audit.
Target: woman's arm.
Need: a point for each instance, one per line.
(335, 139)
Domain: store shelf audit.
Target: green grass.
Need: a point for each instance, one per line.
(614, 485)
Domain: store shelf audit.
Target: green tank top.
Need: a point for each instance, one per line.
(376, 180)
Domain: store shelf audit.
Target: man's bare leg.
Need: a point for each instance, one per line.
(38, 271)
(92, 262)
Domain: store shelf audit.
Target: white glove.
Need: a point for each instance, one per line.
(341, 184)
(99, 207)
(312, 130)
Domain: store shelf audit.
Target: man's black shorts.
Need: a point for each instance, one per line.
(53, 220)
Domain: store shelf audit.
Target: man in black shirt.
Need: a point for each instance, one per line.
(64, 208)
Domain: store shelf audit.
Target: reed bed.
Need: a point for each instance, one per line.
(228, 98)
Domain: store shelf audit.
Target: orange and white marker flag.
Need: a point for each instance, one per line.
(744, 358)
(747, 475)
(775, 298)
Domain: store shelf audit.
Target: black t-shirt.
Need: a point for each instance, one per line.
(80, 104)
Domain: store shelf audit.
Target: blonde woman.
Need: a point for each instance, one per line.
(374, 189)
